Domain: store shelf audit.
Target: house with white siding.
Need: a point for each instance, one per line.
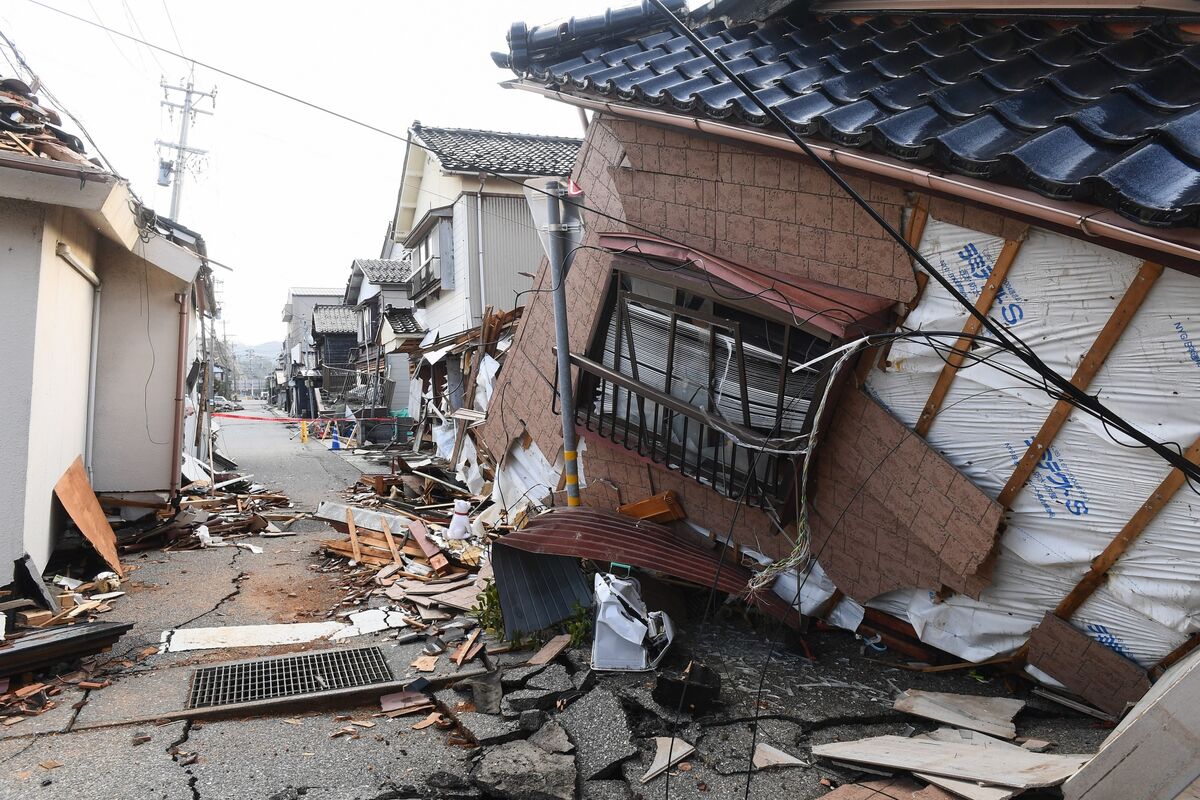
(464, 226)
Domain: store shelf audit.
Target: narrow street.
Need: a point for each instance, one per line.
(242, 758)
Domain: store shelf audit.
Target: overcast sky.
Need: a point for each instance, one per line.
(288, 196)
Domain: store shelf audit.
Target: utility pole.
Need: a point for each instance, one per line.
(171, 172)
(556, 233)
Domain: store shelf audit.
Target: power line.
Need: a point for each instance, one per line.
(171, 21)
(1026, 354)
(1078, 397)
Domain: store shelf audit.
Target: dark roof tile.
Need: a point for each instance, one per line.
(334, 319)
(403, 322)
(1068, 110)
(381, 270)
(465, 150)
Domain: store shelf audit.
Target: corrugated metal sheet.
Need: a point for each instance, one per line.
(510, 246)
(536, 590)
(606, 536)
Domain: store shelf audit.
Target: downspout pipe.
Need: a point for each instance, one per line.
(479, 259)
(556, 233)
(180, 392)
(63, 251)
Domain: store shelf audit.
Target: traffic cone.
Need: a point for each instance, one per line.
(337, 445)
(303, 432)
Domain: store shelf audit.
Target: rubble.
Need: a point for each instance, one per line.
(522, 771)
(599, 728)
(552, 738)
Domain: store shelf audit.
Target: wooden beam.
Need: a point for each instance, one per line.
(916, 229)
(955, 359)
(353, 535)
(1128, 535)
(1175, 656)
(391, 543)
(1106, 340)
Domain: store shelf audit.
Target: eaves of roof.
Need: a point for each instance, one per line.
(426, 223)
(1076, 111)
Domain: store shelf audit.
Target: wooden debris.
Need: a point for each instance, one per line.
(990, 715)
(663, 507)
(551, 650)
(75, 493)
(425, 663)
(766, 757)
(1017, 768)
(465, 647)
(433, 719)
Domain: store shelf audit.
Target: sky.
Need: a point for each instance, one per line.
(286, 196)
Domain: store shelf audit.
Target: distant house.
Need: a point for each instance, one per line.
(467, 235)
(299, 367)
(335, 331)
(376, 286)
(470, 234)
(101, 310)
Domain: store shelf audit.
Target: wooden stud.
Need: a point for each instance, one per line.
(916, 229)
(1175, 656)
(1128, 535)
(353, 534)
(955, 359)
(1106, 340)
(391, 543)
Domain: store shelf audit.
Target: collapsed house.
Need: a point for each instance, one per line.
(1045, 166)
(104, 308)
(298, 379)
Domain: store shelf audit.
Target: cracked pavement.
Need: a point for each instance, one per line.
(290, 755)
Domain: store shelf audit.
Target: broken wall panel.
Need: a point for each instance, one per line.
(1087, 668)
(1058, 296)
(916, 521)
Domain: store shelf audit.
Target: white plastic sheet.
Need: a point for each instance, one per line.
(1058, 295)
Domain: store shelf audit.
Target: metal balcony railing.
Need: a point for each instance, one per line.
(730, 458)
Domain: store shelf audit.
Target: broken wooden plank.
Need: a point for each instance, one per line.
(75, 493)
(971, 790)
(958, 355)
(1018, 768)
(663, 507)
(391, 542)
(425, 663)
(462, 599)
(551, 650)
(420, 534)
(1105, 341)
(990, 715)
(353, 535)
(465, 647)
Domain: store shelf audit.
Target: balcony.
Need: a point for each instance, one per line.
(425, 280)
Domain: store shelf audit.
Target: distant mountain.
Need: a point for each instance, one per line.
(266, 349)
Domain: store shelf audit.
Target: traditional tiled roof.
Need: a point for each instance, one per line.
(334, 319)
(403, 322)
(464, 150)
(1073, 108)
(380, 270)
(34, 128)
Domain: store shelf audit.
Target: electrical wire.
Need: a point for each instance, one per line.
(1001, 332)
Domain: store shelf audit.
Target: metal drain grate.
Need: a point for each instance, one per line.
(286, 676)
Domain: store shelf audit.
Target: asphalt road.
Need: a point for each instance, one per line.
(67, 753)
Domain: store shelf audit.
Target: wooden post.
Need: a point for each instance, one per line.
(353, 535)
(387, 534)
(955, 359)
(1106, 340)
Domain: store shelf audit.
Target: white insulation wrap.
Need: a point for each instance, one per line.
(1058, 294)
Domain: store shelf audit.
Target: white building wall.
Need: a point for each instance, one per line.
(137, 363)
(20, 262)
(59, 382)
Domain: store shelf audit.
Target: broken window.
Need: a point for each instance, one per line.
(702, 382)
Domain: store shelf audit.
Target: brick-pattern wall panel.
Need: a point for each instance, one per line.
(762, 210)
(1098, 674)
(915, 522)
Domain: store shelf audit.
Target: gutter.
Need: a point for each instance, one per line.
(1091, 221)
(180, 390)
(63, 251)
